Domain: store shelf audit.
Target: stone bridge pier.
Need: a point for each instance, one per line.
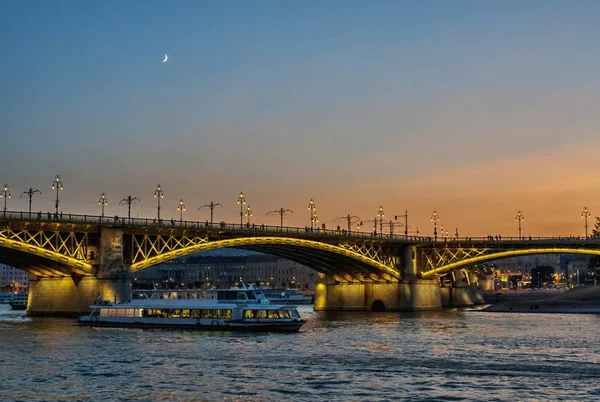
(409, 293)
(73, 295)
(463, 291)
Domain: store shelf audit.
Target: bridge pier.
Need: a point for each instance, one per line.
(464, 292)
(402, 296)
(73, 295)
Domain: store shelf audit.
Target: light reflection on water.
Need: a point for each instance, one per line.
(336, 356)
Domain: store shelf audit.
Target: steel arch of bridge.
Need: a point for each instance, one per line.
(67, 249)
(156, 249)
(443, 261)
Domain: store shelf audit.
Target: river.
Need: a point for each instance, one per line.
(447, 355)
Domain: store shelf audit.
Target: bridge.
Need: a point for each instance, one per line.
(72, 259)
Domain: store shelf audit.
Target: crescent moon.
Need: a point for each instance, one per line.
(166, 58)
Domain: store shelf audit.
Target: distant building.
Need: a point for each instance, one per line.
(13, 279)
(565, 268)
(225, 271)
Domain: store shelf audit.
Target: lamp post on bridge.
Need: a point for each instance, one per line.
(58, 185)
(314, 219)
(129, 200)
(380, 215)
(519, 218)
(248, 215)
(5, 193)
(241, 201)
(102, 201)
(312, 208)
(212, 206)
(585, 215)
(405, 216)
(435, 218)
(281, 213)
(30, 193)
(181, 208)
(158, 194)
(348, 218)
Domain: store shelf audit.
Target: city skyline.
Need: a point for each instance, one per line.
(473, 110)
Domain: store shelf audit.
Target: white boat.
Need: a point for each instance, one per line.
(248, 311)
(17, 300)
(287, 296)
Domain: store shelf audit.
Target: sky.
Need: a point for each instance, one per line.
(473, 109)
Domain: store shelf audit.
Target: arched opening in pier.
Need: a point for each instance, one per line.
(378, 306)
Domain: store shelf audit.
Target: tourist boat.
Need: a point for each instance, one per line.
(288, 296)
(16, 300)
(236, 309)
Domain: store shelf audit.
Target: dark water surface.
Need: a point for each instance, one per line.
(450, 355)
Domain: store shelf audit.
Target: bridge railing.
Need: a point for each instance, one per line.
(48, 217)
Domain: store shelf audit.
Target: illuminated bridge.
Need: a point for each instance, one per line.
(74, 259)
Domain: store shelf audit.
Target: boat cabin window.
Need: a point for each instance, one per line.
(272, 314)
(186, 313)
(231, 295)
(121, 312)
(251, 295)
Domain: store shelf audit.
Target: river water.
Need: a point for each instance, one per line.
(449, 355)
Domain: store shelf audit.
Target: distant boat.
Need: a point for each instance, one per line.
(18, 301)
(288, 296)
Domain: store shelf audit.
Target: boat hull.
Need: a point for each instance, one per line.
(18, 305)
(215, 326)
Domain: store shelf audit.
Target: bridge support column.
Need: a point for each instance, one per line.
(410, 263)
(404, 296)
(72, 296)
(464, 292)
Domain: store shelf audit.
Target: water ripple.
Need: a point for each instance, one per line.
(436, 356)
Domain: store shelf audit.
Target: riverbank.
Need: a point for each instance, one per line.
(580, 300)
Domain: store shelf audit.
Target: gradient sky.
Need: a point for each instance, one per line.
(473, 108)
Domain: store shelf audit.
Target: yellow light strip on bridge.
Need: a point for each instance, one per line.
(251, 241)
(506, 254)
(77, 266)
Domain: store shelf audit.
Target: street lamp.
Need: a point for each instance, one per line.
(248, 214)
(158, 194)
(281, 212)
(212, 206)
(58, 185)
(242, 201)
(380, 215)
(129, 200)
(312, 208)
(348, 218)
(585, 215)
(103, 201)
(181, 208)
(30, 193)
(519, 218)
(5, 193)
(405, 216)
(435, 218)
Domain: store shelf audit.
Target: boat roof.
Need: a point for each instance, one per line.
(192, 304)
